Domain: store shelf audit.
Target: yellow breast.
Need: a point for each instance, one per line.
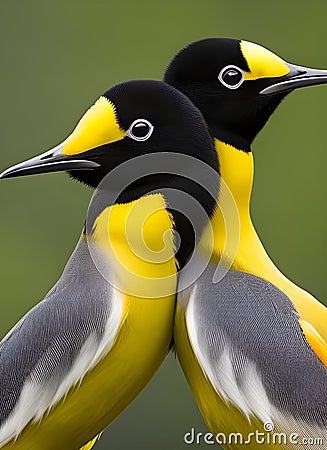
(137, 242)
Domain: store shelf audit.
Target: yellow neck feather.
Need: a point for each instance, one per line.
(233, 232)
(232, 229)
(237, 170)
(138, 242)
(243, 249)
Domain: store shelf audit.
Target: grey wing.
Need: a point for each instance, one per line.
(247, 338)
(67, 330)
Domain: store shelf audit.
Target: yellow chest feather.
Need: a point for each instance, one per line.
(137, 245)
(137, 240)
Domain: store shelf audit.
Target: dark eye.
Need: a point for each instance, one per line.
(231, 77)
(140, 130)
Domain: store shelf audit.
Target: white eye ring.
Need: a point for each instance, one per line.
(231, 86)
(135, 124)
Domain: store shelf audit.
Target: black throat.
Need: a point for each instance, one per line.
(190, 204)
(234, 117)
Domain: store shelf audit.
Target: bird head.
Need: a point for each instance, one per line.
(130, 119)
(236, 84)
(128, 122)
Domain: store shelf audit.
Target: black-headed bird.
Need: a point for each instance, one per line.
(252, 344)
(82, 354)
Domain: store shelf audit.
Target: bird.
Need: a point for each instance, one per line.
(83, 353)
(252, 344)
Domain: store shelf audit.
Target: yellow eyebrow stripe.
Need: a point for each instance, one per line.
(262, 62)
(98, 126)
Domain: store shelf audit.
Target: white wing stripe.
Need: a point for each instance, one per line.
(248, 394)
(36, 398)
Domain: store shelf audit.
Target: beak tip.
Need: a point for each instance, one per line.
(297, 78)
(5, 174)
(32, 169)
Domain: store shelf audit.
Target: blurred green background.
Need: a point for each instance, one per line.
(57, 57)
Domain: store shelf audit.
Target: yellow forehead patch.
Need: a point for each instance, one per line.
(262, 62)
(98, 126)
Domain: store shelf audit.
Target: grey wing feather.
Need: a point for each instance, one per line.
(260, 325)
(46, 341)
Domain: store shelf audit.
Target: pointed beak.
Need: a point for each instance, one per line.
(297, 77)
(51, 161)
(99, 126)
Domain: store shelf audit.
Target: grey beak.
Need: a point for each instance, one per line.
(297, 78)
(51, 161)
